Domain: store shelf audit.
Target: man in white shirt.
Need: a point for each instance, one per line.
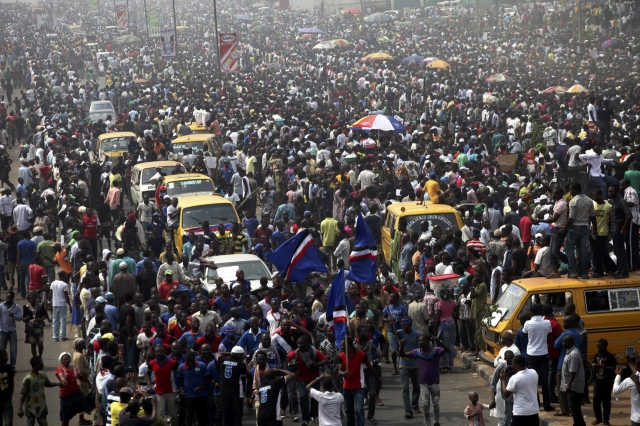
(329, 402)
(631, 384)
(537, 330)
(524, 387)
(508, 341)
(22, 215)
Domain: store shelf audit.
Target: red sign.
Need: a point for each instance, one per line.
(229, 52)
(122, 16)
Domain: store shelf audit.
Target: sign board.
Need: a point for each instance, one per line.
(122, 16)
(153, 23)
(168, 42)
(228, 52)
(94, 6)
(507, 162)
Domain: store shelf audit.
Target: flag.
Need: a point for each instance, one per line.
(337, 308)
(364, 256)
(297, 257)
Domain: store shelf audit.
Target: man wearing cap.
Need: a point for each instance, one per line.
(165, 287)
(123, 283)
(232, 373)
(115, 265)
(169, 265)
(111, 311)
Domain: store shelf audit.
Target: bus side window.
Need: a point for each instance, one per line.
(392, 224)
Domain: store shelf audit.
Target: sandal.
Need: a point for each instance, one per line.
(373, 420)
(408, 415)
(395, 373)
(379, 403)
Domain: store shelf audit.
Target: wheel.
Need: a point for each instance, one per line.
(589, 373)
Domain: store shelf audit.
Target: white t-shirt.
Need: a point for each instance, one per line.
(328, 407)
(538, 329)
(524, 385)
(543, 258)
(58, 289)
(170, 211)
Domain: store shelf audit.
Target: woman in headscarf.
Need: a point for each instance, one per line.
(81, 364)
(33, 315)
(72, 400)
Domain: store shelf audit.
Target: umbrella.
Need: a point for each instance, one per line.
(430, 59)
(140, 81)
(379, 122)
(378, 17)
(378, 56)
(312, 30)
(304, 36)
(245, 18)
(577, 88)
(351, 10)
(438, 64)
(261, 29)
(412, 58)
(554, 89)
(324, 45)
(608, 43)
(126, 39)
(498, 78)
(340, 42)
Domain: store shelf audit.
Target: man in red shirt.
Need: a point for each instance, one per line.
(165, 287)
(354, 383)
(162, 368)
(91, 225)
(307, 360)
(181, 326)
(37, 275)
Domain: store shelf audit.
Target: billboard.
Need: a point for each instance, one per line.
(229, 52)
(94, 6)
(168, 42)
(153, 23)
(122, 16)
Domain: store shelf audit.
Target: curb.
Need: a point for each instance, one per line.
(484, 369)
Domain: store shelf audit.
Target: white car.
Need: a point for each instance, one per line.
(252, 266)
(101, 106)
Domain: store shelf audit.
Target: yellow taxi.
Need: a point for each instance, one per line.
(198, 142)
(188, 184)
(197, 129)
(197, 208)
(113, 144)
(414, 213)
(610, 309)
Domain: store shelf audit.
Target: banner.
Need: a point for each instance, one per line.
(153, 23)
(122, 16)
(94, 6)
(168, 42)
(228, 52)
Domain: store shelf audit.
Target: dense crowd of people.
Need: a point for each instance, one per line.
(153, 345)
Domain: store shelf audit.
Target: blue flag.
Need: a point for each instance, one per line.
(336, 308)
(297, 257)
(364, 256)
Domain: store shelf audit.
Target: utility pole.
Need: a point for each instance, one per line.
(215, 22)
(146, 19)
(175, 30)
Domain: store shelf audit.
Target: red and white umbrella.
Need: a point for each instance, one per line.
(379, 122)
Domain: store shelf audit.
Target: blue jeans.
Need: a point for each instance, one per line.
(129, 354)
(293, 397)
(557, 256)
(540, 363)
(430, 393)
(603, 182)
(6, 419)
(12, 338)
(23, 278)
(410, 376)
(59, 322)
(304, 400)
(354, 406)
(578, 235)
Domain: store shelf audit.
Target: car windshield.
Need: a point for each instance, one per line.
(199, 131)
(148, 173)
(510, 300)
(192, 217)
(179, 147)
(101, 115)
(115, 144)
(253, 270)
(445, 220)
(189, 186)
(101, 106)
